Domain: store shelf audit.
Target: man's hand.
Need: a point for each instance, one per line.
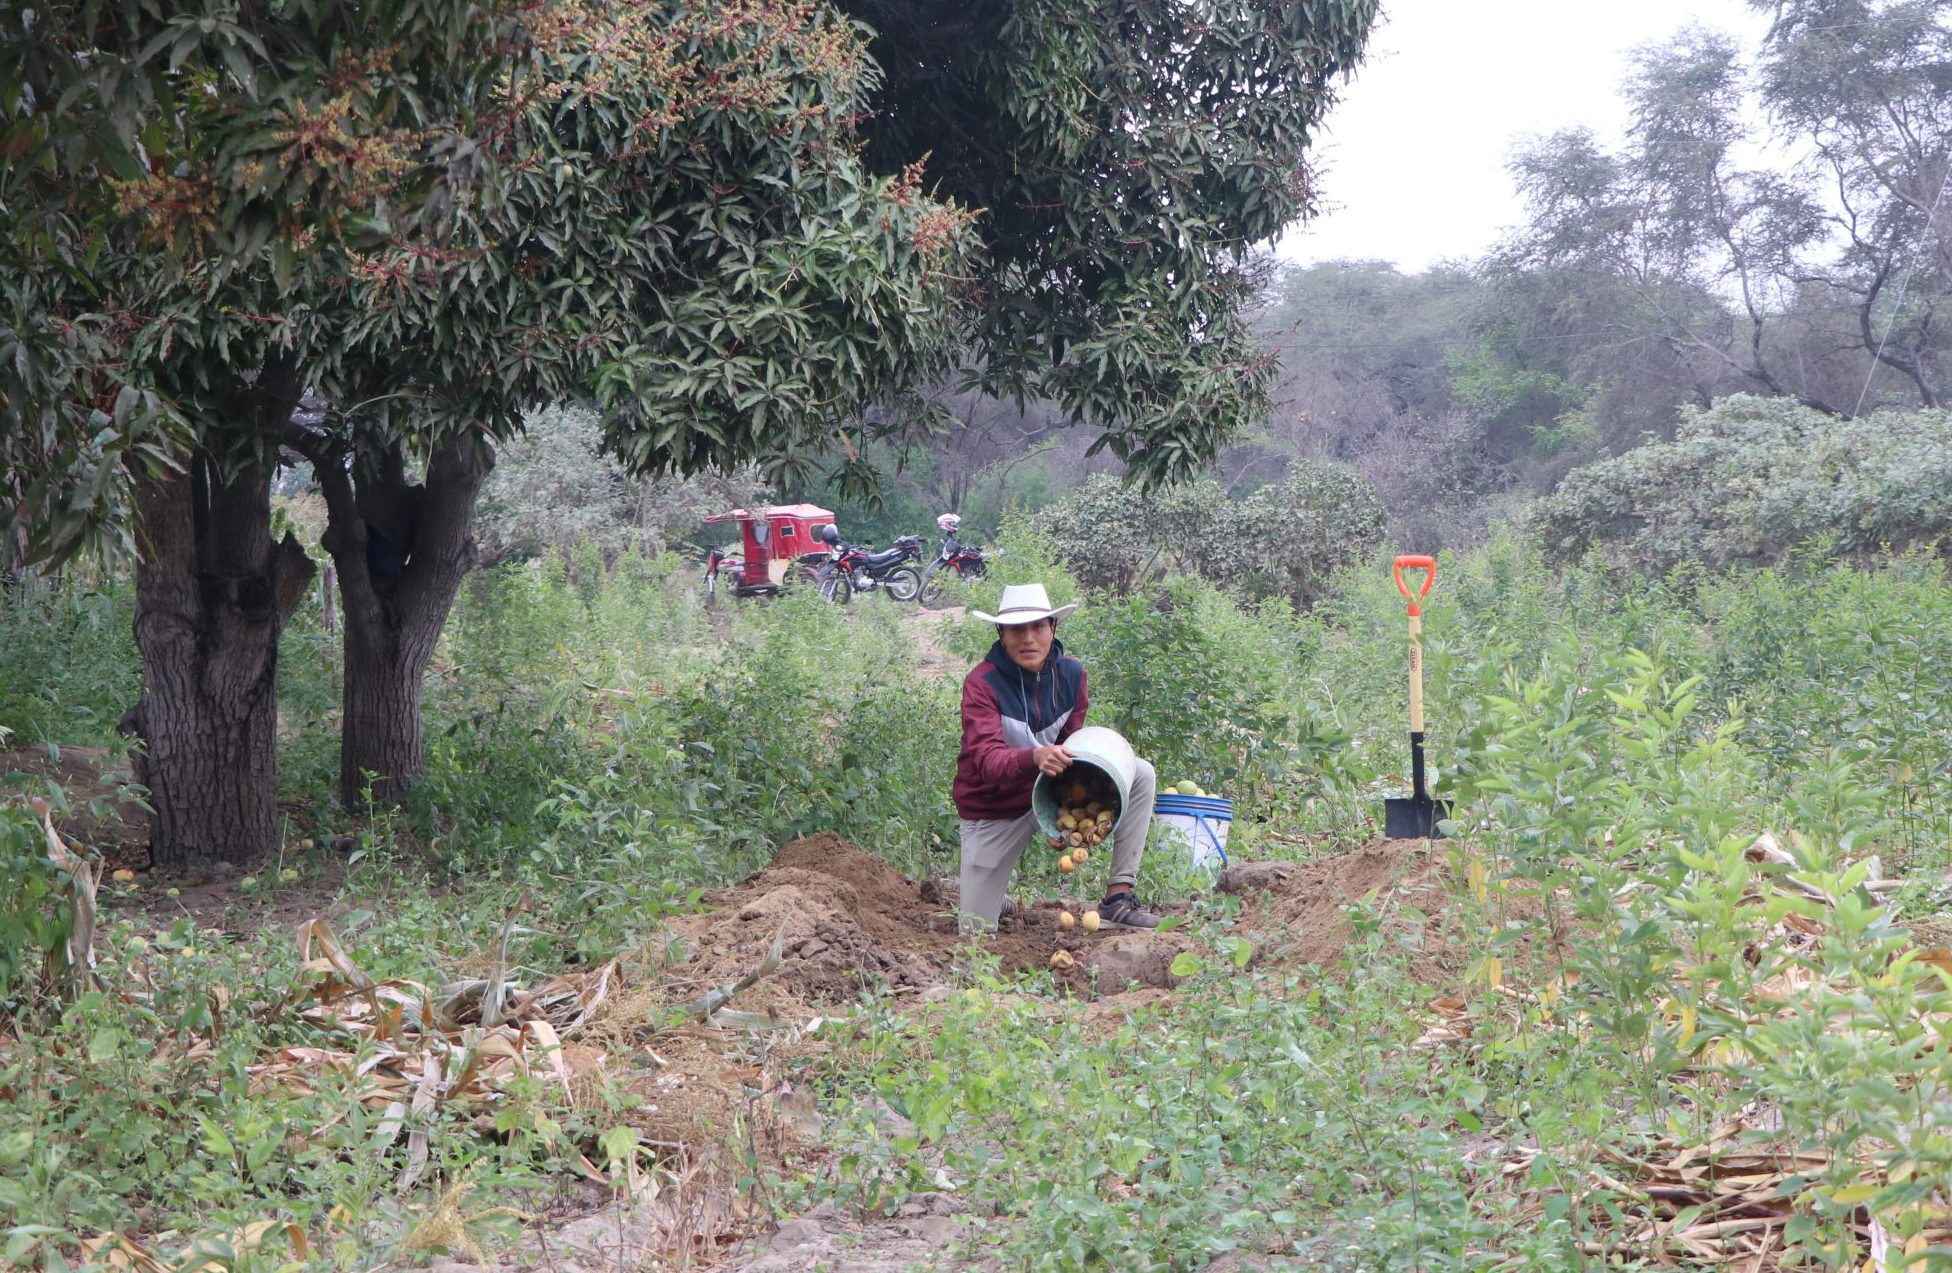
(1054, 759)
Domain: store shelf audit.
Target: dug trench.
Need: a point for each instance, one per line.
(847, 923)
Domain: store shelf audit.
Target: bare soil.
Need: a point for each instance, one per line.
(1298, 913)
(928, 625)
(107, 820)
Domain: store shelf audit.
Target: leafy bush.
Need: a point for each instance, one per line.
(1201, 689)
(1112, 533)
(1289, 539)
(1750, 478)
(1280, 541)
(68, 665)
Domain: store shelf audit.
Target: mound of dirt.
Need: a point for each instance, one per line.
(1297, 912)
(850, 921)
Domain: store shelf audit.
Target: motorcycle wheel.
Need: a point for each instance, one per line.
(932, 589)
(903, 583)
(836, 587)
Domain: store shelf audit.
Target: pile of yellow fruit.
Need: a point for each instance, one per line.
(1085, 817)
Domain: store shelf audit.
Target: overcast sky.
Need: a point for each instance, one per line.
(1413, 157)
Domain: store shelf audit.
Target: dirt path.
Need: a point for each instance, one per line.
(928, 627)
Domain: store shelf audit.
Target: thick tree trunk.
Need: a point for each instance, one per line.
(329, 599)
(211, 600)
(401, 550)
(380, 744)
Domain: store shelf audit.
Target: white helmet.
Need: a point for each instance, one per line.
(948, 523)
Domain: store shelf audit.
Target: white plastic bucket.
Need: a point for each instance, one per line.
(1104, 750)
(1197, 826)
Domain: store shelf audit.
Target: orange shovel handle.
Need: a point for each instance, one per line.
(1415, 561)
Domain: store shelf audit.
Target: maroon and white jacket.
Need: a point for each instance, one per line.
(1006, 712)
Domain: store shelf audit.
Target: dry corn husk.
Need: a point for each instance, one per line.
(412, 1053)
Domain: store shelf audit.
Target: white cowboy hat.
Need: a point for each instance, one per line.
(1024, 603)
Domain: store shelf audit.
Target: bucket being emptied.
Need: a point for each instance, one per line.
(1196, 826)
(1095, 747)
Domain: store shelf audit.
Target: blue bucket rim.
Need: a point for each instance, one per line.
(1212, 806)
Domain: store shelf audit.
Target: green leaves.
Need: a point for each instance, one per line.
(700, 243)
(1283, 540)
(1127, 155)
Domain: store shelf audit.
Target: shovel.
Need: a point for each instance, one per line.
(1416, 817)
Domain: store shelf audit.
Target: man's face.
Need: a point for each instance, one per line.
(1028, 644)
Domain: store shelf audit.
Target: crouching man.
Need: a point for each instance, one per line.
(1018, 706)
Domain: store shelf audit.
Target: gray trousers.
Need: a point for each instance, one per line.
(991, 847)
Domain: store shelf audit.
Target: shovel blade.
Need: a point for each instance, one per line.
(1408, 818)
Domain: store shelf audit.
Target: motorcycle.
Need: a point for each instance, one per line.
(855, 569)
(957, 560)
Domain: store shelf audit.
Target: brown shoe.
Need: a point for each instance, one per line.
(1122, 910)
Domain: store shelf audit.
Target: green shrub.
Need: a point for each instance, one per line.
(1284, 540)
(68, 665)
(1751, 478)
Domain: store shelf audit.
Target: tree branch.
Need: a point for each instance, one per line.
(345, 530)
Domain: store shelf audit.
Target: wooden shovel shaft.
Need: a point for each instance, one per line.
(1416, 674)
(1428, 565)
(1417, 787)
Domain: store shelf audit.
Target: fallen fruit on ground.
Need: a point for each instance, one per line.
(1067, 864)
(1091, 921)
(1062, 961)
(1081, 855)
(1066, 921)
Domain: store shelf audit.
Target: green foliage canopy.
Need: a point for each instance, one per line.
(436, 217)
(658, 204)
(154, 157)
(1125, 155)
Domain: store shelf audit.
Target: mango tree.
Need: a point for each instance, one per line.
(656, 203)
(178, 184)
